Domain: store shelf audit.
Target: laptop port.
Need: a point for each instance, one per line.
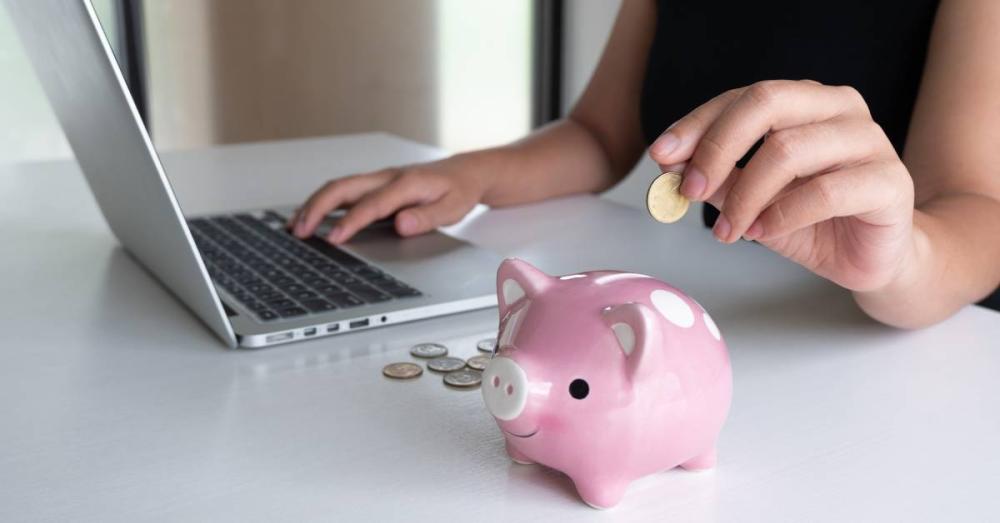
(311, 331)
(333, 327)
(281, 336)
(359, 323)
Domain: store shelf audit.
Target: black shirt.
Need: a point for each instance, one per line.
(705, 47)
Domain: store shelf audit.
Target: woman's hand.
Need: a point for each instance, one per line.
(425, 195)
(826, 189)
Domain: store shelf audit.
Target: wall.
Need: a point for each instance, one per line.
(454, 73)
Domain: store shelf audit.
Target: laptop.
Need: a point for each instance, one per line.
(242, 274)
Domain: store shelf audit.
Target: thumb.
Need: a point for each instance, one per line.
(425, 218)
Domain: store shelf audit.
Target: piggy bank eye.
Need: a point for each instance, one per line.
(579, 389)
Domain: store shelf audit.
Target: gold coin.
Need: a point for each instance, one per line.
(664, 199)
(403, 370)
(478, 362)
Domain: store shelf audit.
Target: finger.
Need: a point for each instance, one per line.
(334, 194)
(447, 210)
(678, 142)
(403, 192)
(796, 152)
(762, 108)
(673, 168)
(869, 192)
(719, 196)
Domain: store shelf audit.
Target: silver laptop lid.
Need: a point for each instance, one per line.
(77, 69)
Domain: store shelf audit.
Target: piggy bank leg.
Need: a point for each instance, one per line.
(601, 494)
(517, 456)
(705, 460)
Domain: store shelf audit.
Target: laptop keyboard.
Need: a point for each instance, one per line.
(276, 275)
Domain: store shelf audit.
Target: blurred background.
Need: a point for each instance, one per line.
(458, 74)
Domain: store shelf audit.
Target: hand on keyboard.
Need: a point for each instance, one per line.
(426, 196)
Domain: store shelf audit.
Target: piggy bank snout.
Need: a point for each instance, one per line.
(505, 388)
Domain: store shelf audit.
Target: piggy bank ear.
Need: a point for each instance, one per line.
(637, 331)
(517, 279)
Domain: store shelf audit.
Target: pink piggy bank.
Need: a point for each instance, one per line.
(606, 376)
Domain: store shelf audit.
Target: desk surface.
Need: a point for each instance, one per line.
(117, 404)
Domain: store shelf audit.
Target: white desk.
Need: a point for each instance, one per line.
(118, 405)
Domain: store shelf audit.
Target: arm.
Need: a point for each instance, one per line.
(588, 151)
(953, 155)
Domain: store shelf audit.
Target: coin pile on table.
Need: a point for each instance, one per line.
(458, 373)
(664, 200)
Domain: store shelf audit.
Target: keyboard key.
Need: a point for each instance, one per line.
(345, 300)
(359, 286)
(267, 315)
(373, 296)
(315, 283)
(319, 305)
(306, 275)
(368, 272)
(339, 256)
(271, 296)
(292, 288)
(259, 288)
(343, 278)
(255, 306)
(290, 312)
(329, 289)
(404, 292)
(281, 303)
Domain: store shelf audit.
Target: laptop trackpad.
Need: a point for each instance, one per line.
(383, 246)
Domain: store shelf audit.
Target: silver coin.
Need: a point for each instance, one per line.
(446, 364)
(403, 370)
(486, 345)
(429, 350)
(463, 378)
(478, 362)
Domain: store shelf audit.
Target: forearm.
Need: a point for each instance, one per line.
(559, 159)
(954, 260)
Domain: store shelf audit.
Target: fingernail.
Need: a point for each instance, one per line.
(334, 236)
(693, 186)
(665, 144)
(722, 228)
(754, 232)
(407, 223)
